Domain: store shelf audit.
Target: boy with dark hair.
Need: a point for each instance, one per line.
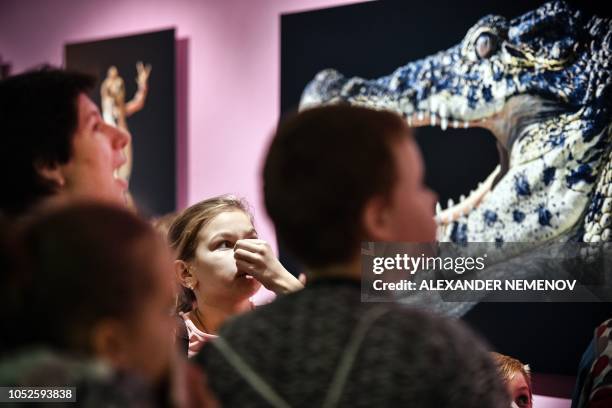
(333, 177)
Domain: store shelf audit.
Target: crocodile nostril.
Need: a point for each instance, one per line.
(513, 51)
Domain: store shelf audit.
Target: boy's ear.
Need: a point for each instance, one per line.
(109, 342)
(52, 172)
(376, 220)
(184, 276)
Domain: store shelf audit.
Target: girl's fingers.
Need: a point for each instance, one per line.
(245, 267)
(246, 255)
(254, 245)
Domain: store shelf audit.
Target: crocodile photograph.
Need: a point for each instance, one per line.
(541, 83)
(511, 104)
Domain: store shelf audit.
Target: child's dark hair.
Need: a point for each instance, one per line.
(83, 263)
(322, 167)
(38, 119)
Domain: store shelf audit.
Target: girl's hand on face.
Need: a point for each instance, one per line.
(256, 258)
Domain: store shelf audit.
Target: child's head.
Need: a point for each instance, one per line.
(338, 175)
(517, 378)
(203, 238)
(96, 285)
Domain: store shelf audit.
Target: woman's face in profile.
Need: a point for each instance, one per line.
(97, 154)
(518, 387)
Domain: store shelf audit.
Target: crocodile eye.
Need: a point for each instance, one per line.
(486, 45)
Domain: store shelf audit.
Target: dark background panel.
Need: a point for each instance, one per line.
(550, 337)
(153, 179)
(373, 39)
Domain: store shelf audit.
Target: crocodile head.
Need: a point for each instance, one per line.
(541, 83)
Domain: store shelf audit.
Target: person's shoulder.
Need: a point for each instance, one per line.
(401, 312)
(397, 311)
(400, 321)
(262, 317)
(255, 331)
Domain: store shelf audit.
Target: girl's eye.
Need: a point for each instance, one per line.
(522, 401)
(225, 245)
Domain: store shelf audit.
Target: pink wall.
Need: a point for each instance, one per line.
(550, 402)
(233, 72)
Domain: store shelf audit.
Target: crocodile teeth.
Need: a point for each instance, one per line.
(466, 124)
(438, 208)
(409, 120)
(441, 231)
(450, 202)
(455, 124)
(420, 115)
(442, 110)
(443, 123)
(433, 106)
(432, 121)
(461, 198)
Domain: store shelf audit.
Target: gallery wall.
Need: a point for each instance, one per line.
(231, 52)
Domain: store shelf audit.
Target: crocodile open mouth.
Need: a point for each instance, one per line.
(474, 198)
(507, 126)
